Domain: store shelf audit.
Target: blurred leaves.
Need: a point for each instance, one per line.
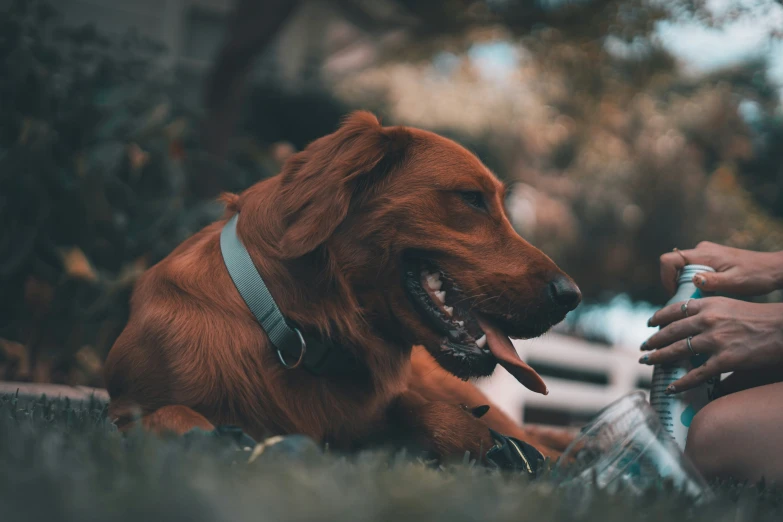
(615, 155)
(76, 265)
(95, 168)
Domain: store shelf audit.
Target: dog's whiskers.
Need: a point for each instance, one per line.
(487, 299)
(469, 298)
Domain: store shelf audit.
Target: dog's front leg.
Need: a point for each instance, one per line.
(434, 383)
(181, 420)
(173, 419)
(448, 430)
(444, 429)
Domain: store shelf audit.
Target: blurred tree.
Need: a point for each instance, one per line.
(620, 157)
(763, 173)
(253, 25)
(95, 153)
(614, 156)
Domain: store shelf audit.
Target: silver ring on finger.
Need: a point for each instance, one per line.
(684, 307)
(690, 346)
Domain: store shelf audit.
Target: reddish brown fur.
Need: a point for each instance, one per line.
(178, 419)
(327, 235)
(437, 385)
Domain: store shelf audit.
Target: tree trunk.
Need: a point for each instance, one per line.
(253, 25)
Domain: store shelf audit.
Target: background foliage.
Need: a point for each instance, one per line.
(614, 153)
(96, 158)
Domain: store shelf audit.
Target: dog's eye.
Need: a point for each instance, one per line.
(474, 199)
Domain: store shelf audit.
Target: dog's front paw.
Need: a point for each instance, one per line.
(512, 454)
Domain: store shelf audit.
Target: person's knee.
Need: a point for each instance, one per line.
(737, 436)
(706, 446)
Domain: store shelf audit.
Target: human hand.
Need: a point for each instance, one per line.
(734, 334)
(737, 271)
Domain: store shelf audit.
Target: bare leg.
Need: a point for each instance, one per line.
(738, 435)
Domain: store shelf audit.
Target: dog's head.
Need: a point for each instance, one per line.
(414, 229)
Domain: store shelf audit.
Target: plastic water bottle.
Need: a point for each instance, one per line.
(625, 448)
(676, 412)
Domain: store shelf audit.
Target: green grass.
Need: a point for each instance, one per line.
(62, 461)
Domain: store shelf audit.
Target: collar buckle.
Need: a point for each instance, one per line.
(302, 352)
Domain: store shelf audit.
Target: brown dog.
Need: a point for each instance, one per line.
(374, 239)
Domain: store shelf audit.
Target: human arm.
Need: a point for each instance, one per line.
(737, 271)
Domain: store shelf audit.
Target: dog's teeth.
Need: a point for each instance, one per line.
(449, 310)
(481, 341)
(441, 296)
(433, 282)
(461, 323)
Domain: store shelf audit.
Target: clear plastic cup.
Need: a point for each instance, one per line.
(626, 448)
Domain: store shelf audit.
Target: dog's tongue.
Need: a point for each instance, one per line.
(503, 350)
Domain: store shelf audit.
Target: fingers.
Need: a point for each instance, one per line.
(673, 312)
(718, 282)
(697, 376)
(671, 264)
(672, 333)
(677, 351)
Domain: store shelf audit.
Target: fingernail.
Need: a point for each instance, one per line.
(649, 322)
(643, 346)
(546, 392)
(700, 281)
(670, 389)
(643, 359)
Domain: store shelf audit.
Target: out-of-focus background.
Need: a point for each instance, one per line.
(623, 127)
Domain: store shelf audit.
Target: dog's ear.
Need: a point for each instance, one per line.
(318, 183)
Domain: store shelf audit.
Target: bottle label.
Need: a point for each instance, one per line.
(676, 412)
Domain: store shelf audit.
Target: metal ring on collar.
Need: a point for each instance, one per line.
(301, 354)
(690, 346)
(684, 307)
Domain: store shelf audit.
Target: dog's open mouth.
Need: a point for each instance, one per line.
(472, 343)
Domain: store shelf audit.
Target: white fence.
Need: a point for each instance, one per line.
(617, 365)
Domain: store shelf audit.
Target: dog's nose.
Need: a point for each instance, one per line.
(564, 292)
